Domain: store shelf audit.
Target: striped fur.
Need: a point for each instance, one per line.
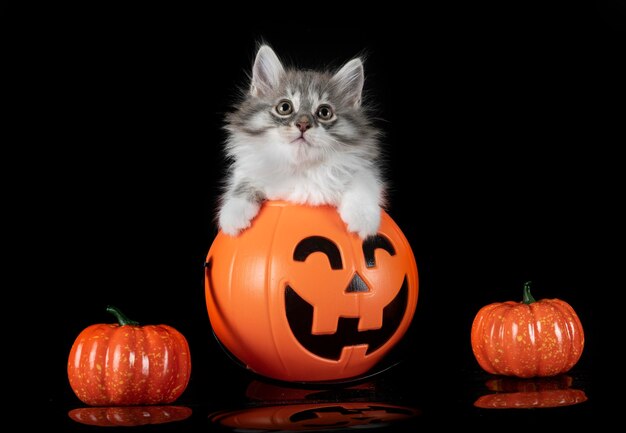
(302, 136)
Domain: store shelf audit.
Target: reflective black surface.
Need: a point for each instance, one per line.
(485, 113)
(399, 399)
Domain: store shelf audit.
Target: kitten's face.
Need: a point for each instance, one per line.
(300, 116)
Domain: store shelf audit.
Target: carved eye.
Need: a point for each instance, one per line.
(371, 244)
(314, 244)
(324, 112)
(284, 108)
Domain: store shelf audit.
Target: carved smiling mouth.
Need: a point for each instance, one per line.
(329, 346)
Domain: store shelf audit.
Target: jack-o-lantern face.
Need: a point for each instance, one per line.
(296, 297)
(310, 320)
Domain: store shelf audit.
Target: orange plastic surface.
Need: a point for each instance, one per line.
(362, 308)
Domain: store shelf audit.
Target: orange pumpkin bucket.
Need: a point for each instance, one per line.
(296, 297)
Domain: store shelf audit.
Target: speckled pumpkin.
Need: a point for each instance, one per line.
(127, 364)
(529, 338)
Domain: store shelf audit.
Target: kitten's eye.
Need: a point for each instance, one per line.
(284, 108)
(324, 112)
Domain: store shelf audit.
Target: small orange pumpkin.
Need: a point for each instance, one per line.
(127, 364)
(527, 339)
(297, 297)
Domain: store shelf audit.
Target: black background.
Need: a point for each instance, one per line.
(491, 120)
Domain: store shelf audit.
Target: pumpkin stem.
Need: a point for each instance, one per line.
(528, 298)
(121, 317)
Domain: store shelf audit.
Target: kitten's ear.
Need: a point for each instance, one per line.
(349, 80)
(266, 71)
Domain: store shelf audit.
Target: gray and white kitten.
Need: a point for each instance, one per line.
(302, 136)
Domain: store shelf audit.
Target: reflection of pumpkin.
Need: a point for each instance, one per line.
(527, 339)
(297, 297)
(512, 384)
(302, 417)
(514, 393)
(532, 399)
(129, 416)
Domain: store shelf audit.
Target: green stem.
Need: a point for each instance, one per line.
(121, 317)
(528, 298)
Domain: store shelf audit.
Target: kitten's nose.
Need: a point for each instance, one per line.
(303, 123)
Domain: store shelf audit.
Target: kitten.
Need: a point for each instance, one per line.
(302, 136)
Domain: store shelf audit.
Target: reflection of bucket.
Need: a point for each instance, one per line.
(514, 393)
(273, 393)
(276, 408)
(314, 416)
(129, 416)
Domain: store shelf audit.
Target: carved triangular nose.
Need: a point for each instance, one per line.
(357, 285)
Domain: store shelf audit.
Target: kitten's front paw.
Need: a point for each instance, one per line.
(361, 219)
(236, 215)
